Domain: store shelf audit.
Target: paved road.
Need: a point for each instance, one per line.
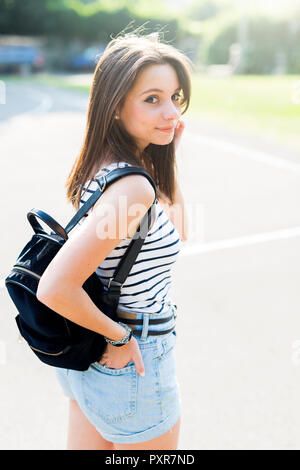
(236, 282)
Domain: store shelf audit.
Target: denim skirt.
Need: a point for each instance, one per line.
(123, 406)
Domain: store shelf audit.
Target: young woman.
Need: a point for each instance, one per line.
(129, 399)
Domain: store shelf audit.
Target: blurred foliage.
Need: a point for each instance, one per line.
(212, 49)
(268, 43)
(85, 8)
(92, 7)
(70, 26)
(23, 17)
(203, 9)
(77, 19)
(204, 30)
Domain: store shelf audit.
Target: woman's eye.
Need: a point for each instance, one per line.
(177, 99)
(178, 96)
(150, 98)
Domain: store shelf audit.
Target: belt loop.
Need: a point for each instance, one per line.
(145, 326)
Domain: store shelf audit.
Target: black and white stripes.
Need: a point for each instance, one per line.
(147, 287)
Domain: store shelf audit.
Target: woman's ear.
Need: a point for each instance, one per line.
(117, 113)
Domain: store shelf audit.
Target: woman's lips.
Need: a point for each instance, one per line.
(168, 130)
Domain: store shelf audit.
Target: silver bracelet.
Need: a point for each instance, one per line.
(123, 340)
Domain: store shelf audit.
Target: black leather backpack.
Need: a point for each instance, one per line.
(54, 339)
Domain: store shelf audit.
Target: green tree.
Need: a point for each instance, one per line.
(203, 9)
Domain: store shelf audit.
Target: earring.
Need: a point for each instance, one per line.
(117, 117)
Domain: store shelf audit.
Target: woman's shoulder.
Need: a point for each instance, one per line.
(110, 165)
(134, 187)
(133, 194)
(136, 180)
(105, 168)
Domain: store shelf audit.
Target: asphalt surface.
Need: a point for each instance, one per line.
(236, 282)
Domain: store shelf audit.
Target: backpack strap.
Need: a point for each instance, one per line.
(126, 262)
(129, 257)
(103, 182)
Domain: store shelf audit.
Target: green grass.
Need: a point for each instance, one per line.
(60, 81)
(258, 105)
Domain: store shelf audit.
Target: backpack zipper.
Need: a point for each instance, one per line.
(19, 268)
(48, 354)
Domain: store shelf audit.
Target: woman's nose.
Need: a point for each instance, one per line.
(171, 112)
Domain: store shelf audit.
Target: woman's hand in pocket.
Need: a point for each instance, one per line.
(118, 357)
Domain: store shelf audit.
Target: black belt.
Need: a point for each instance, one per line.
(157, 321)
(153, 332)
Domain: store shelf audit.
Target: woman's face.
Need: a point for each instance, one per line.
(152, 103)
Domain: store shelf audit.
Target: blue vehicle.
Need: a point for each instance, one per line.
(87, 60)
(20, 59)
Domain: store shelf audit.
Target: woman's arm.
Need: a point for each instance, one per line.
(60, 287)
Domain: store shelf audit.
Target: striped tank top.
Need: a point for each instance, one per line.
(147, 286)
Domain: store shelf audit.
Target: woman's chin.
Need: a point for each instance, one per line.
(163, 141)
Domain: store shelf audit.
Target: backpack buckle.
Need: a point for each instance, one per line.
(116, 282)
(104, 184)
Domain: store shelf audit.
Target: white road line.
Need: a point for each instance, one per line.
(255, 155)
(44, 105)
(247, 240)
(242, 152)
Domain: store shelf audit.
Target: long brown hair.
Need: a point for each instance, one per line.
(105, 137)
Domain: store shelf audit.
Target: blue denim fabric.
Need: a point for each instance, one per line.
(123, 406)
